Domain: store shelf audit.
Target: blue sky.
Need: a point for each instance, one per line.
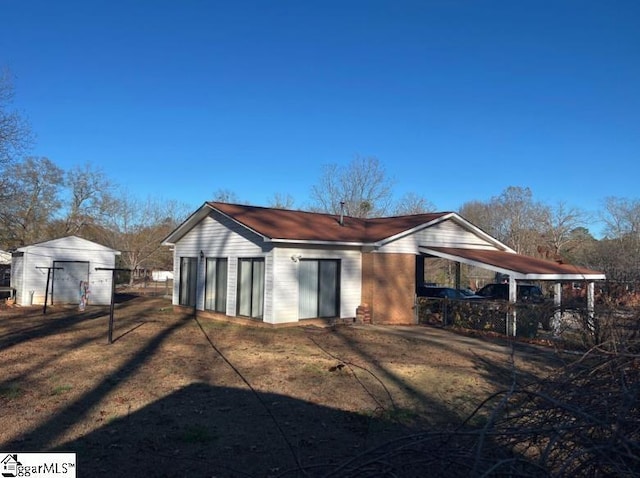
(458, 99)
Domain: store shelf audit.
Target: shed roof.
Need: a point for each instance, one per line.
(69, 242)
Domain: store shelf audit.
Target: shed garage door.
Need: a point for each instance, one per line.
(66, 281)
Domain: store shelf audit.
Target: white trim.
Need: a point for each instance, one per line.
(319, 243)
(456, 219)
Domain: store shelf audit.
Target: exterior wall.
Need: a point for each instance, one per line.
(389, 287)
(217, 236)
(285, 285)
(30, 283)
(389, 273)
(383, 279)
(444, 234)
(17, 276)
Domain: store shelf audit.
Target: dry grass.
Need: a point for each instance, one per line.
(176, 396)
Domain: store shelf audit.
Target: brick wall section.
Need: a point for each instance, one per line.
(388, 287)
(363, 314)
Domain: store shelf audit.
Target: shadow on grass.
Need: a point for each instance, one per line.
(203, 430)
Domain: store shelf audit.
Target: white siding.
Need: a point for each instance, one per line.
(285, 288)
(444, 234)
(217, 236)
(37, 258)
(17, 276)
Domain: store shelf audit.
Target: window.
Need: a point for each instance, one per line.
(188, 281)
(215, 293)
(319, 282)
(251, 287)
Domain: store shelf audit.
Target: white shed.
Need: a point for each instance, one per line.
(64, 264)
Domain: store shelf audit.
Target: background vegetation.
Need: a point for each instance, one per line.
(40, 201)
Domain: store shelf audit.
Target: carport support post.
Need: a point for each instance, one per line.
(591, 301)
(511, 313)
(557, 308)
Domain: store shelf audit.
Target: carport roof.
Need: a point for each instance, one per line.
(519, 266)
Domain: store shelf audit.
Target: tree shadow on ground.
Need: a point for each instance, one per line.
(202, 430)
(207, 430)
(122, 297)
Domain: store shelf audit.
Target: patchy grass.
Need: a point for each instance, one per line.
(60, 389)
(11, 391)
(177, 396)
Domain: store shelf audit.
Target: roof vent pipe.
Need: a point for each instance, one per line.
(342, 213)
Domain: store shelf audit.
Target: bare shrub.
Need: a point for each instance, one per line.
(582, 421)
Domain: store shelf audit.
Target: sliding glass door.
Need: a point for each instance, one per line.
(251, 287)
(318, 287)
(188, 281)
(215, 293)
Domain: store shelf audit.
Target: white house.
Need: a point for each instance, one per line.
(62, 265)
(281, 266)
(162, 276)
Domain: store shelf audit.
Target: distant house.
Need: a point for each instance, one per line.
(5, 268)
(62, 265)
(162, 276)
(281, 266)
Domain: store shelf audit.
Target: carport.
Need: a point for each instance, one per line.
(520, 268)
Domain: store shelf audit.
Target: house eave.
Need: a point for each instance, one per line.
(318, 243)
(456, 218)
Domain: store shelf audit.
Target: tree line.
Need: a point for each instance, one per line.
(557, 232)
(41, 201)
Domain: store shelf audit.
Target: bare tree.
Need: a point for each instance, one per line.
(513, 217)
(362, 187)
(411, 203)
(15, 133)
(521, 218)
(225, 195)
(558, 225)
(621, 217)
(582, 249)
(481, 214)
(278, 201)
(90, 198)
(32, 191)
(620, 250)
(137, 229)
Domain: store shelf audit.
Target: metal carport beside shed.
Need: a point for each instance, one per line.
(64, 263)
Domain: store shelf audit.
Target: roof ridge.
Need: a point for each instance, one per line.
(330, 214)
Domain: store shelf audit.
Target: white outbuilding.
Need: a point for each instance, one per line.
(59, 269)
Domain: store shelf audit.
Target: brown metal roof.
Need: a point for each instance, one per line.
(288, 225)
(308, 226)
(516, 262)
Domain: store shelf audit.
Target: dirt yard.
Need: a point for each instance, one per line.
(176, 396)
